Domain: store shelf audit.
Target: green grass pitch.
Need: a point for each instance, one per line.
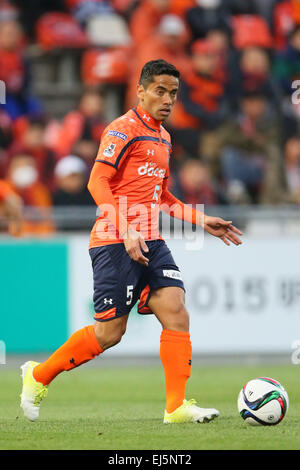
(122, 408)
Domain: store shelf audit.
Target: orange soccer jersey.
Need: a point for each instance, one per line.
(137, 148)
(129, 180)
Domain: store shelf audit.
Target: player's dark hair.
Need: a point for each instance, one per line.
(154, 68)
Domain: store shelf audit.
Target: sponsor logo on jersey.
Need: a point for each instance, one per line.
(172, 273)
(110, 150)
(150, 170)
(118, 134)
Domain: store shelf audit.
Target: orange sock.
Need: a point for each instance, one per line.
(176, 358)
(81, 347)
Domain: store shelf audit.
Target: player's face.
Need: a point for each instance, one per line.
(159, 97)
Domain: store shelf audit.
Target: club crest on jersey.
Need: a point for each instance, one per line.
(110, 150)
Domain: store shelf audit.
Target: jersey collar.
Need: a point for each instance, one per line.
(148, 121)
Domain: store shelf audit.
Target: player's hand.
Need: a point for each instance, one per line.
(222, 229)
(134, 244)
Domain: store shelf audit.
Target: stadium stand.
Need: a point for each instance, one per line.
(71, 66)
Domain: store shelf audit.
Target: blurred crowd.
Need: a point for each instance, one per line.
(235, 127)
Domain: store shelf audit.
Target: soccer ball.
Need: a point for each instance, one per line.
(263, 401)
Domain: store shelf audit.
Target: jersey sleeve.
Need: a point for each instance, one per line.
(100, 190)
(115, 143)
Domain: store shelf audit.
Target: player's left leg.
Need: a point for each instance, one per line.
(113, 270)
(167, 303)
(81, 347)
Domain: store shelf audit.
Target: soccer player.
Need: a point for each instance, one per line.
(130, 260)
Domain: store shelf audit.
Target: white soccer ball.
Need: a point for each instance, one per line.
(263, 401)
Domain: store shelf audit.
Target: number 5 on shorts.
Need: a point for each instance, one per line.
(129, 294)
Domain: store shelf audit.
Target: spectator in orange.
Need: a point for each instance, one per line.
(22, 178)
(146, 18)
(86, 123)
(202, 103)
(169, 43)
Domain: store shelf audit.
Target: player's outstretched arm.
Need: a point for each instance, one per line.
(216, 226)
